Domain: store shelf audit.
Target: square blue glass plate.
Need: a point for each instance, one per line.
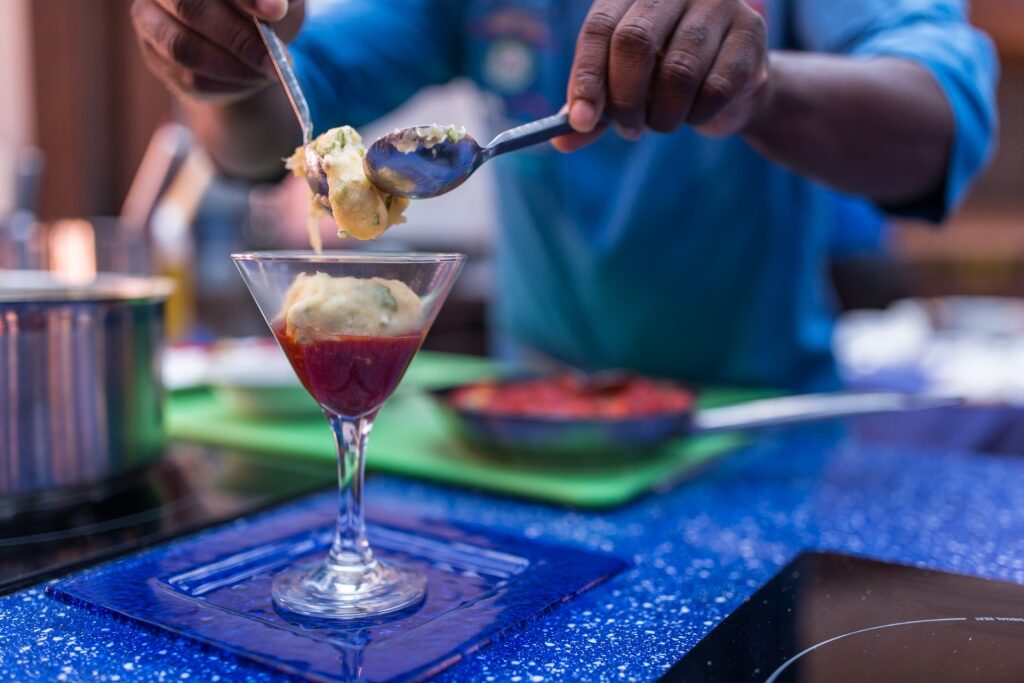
(215, 588)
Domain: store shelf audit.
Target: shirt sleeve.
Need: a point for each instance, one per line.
(358, 59)
(937, 35)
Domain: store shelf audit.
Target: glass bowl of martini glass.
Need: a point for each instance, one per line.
(350, 324)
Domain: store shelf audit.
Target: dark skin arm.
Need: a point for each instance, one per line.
(879, 128)
(247, 139)
(209, 54)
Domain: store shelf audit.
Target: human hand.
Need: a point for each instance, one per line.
(659, 64)
(210, 50)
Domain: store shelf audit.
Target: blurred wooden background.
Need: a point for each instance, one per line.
(96, 105)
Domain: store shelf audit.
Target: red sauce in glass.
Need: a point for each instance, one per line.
(562, 397)
(350, 375)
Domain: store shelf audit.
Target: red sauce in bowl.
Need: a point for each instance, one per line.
(563, 397)
(350, 375)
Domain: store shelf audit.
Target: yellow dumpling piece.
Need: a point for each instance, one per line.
(359, 209)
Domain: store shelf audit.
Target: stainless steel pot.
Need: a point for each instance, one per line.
(81, 399)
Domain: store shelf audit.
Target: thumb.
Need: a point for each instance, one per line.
(268, 10)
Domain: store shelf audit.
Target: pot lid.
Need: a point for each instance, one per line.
(31, 286)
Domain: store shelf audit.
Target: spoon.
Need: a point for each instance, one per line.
(430, 168)
(314, 168)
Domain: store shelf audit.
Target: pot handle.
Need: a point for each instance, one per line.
(771, 412)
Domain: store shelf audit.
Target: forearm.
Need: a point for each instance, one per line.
(879, 128)
(248, 138)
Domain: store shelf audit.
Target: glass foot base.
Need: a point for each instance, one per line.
(330, 591)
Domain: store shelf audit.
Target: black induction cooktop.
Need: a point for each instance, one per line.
(834, 618)
(189, 489)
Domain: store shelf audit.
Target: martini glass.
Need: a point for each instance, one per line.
(350, 375)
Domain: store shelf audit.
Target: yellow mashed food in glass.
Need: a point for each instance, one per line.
(319, 306)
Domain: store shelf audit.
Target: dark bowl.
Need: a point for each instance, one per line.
(557, 439)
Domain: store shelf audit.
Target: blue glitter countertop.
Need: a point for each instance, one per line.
(698, 551)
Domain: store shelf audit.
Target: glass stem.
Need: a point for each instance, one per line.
(350, 547)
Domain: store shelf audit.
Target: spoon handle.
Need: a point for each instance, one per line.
(528, 134)
(783, 410)
(283, 67)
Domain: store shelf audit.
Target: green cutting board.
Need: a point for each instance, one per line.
(412, 437)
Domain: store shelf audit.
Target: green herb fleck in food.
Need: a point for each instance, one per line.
(335, 145)
(387, 299)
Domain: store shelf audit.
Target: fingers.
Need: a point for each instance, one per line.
(636, 43)
(575, 141)
(687, 60)
(201, 48)
(588, 80)
(268, 10)
(739, 68)
(221, 24)
(663, 63)
(187, 50)
(183, 82)
(286, 15)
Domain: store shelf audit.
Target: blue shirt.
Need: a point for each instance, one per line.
(678, 255)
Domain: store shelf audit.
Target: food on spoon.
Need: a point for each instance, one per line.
(408, 140)
(395, 180)
(349, 339)
(564, 396)
(359, 209)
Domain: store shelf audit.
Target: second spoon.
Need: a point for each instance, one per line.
(407, 163)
